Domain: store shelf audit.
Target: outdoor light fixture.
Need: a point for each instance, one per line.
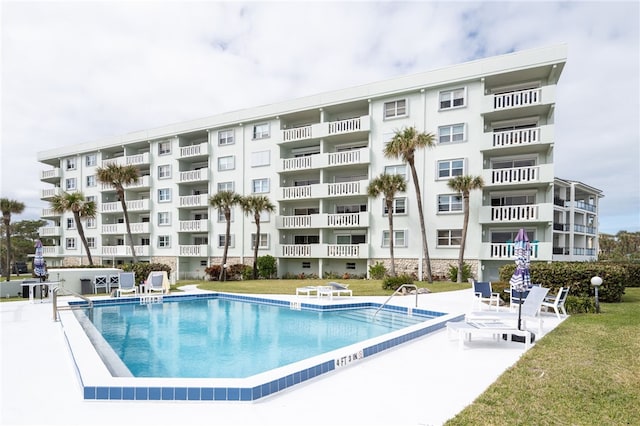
(596, 282)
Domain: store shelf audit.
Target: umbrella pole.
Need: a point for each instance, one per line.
(520, 311)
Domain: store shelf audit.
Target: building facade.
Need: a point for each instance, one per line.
(314, 157)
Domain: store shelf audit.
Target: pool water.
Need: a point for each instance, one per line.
(221, 338)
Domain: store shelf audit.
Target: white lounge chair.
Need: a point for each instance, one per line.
(495, 329)
(334, 289)
(308, 290)
(557, 302)
(126, 283)
(483, 293)
(530, 310)
(157, 281)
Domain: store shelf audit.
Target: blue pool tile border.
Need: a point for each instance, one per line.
(183, 393)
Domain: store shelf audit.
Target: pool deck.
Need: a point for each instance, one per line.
(424, 382)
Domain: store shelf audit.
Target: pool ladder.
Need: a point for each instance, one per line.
(402, 287)
(54, 300)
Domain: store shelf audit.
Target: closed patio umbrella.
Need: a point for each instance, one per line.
(521, 279)
(39, 266)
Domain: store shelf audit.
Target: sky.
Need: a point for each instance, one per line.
(82, 71)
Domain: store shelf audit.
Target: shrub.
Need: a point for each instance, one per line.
(142, 269)
(267, 266)
(579, 305)
(453, 272)
(377, 271)
(393, 283)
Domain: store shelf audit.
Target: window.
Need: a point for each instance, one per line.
(399, 240)
(222, 238)
(449, 203)
(145, 241)
(259, 186)
(450, 168)
(71, 164)
(449, 237)
(90, 160)
(164, 195)
(71, 223)
(260, 158)
(509, 164)
(164, 171)
(164, 241)
(306, 265)
(351, 265)
(351, 239)
(226, 163)
(261, 131)
(70, 184)
(164, 148)
(91, 181)
(353, 208)
(91, 198)
(203, 263)
(399, 206)
(91, 242)
(70, 243)
(225, 186)
(263, 243)
(92, 222)
(395, 109)
(452, 133)
(452, 98)
(400, 169)
(305, 211)
(200, 241)
(164, 218)
(226, 137)
(306, 239)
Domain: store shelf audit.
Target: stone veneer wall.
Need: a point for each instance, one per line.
(439, 267)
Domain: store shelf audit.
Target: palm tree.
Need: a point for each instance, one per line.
(9, 207)
(464, 185)
(225, 200)
(388, 186)
(256, 204)
(403, 145)
(119, 176)
(75, 203)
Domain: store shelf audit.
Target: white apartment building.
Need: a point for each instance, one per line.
(314, 157)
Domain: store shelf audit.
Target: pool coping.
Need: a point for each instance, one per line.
(97, 383)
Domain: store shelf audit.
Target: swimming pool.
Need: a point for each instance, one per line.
(102, 382)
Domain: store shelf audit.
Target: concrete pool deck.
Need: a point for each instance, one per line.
(423, 382)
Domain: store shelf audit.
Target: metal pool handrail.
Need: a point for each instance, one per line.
(54, 300)
(394, 293)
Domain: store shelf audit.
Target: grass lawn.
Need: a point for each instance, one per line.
(585, 372)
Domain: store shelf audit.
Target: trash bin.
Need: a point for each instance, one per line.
(85, 285)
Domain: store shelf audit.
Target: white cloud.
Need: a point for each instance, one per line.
(75, 72)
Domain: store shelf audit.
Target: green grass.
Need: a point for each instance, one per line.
(585, 372)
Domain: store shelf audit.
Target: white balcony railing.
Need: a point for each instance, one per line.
(129, 160)
(50, 192)
(297, 133)
(516, 137)
(321, 190)
(49, 251)
(124, 250)
(121, 228)
(143, 182)
(345, 126)
(515, 175)
(49, 213)
(200, 200)
(506, 251)
(352, 251)
(193, 226)
(50, 174)
(132, 205)
(319, 130)
(49, 231)
(514, 213)
(340, 220)
(194, 175)
(194, 150)
(194, 250)
(517, 98)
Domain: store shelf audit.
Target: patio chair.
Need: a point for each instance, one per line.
(157, 281)
(100, 281)
(126, 283)
(530, 310)
(334, 289)
(308, 290)
(114, 280)
(557, 302)
(483, 293)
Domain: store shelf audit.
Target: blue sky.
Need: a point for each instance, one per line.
(75, 72)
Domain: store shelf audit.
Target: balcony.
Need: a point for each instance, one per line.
(534, 138)
(539, 251)
(124, 250)
(324, 190)
(143, 182)
(542, 212)
(517, 176)
(132, 206)
(346, 251)
(49, 213)
(129, 160)
(51, 251)
(582, 206)
(121, 228)
(52, 175)
(201, 250)
(537, 101)
(49, 193)
(201, 200)
(192, 151)
(50, 231)
(320, 161)
(342, 220)
(584, 229)
(321, 130)
(193, 226)
(194, 175)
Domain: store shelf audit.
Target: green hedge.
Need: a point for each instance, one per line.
(578, 276)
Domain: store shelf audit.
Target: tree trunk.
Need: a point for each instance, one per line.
(390, 215)
(465, 224)
(126, 222)
(255, 247)
(223, 271)
(423, 228)
(7, 274)
(76, 217)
